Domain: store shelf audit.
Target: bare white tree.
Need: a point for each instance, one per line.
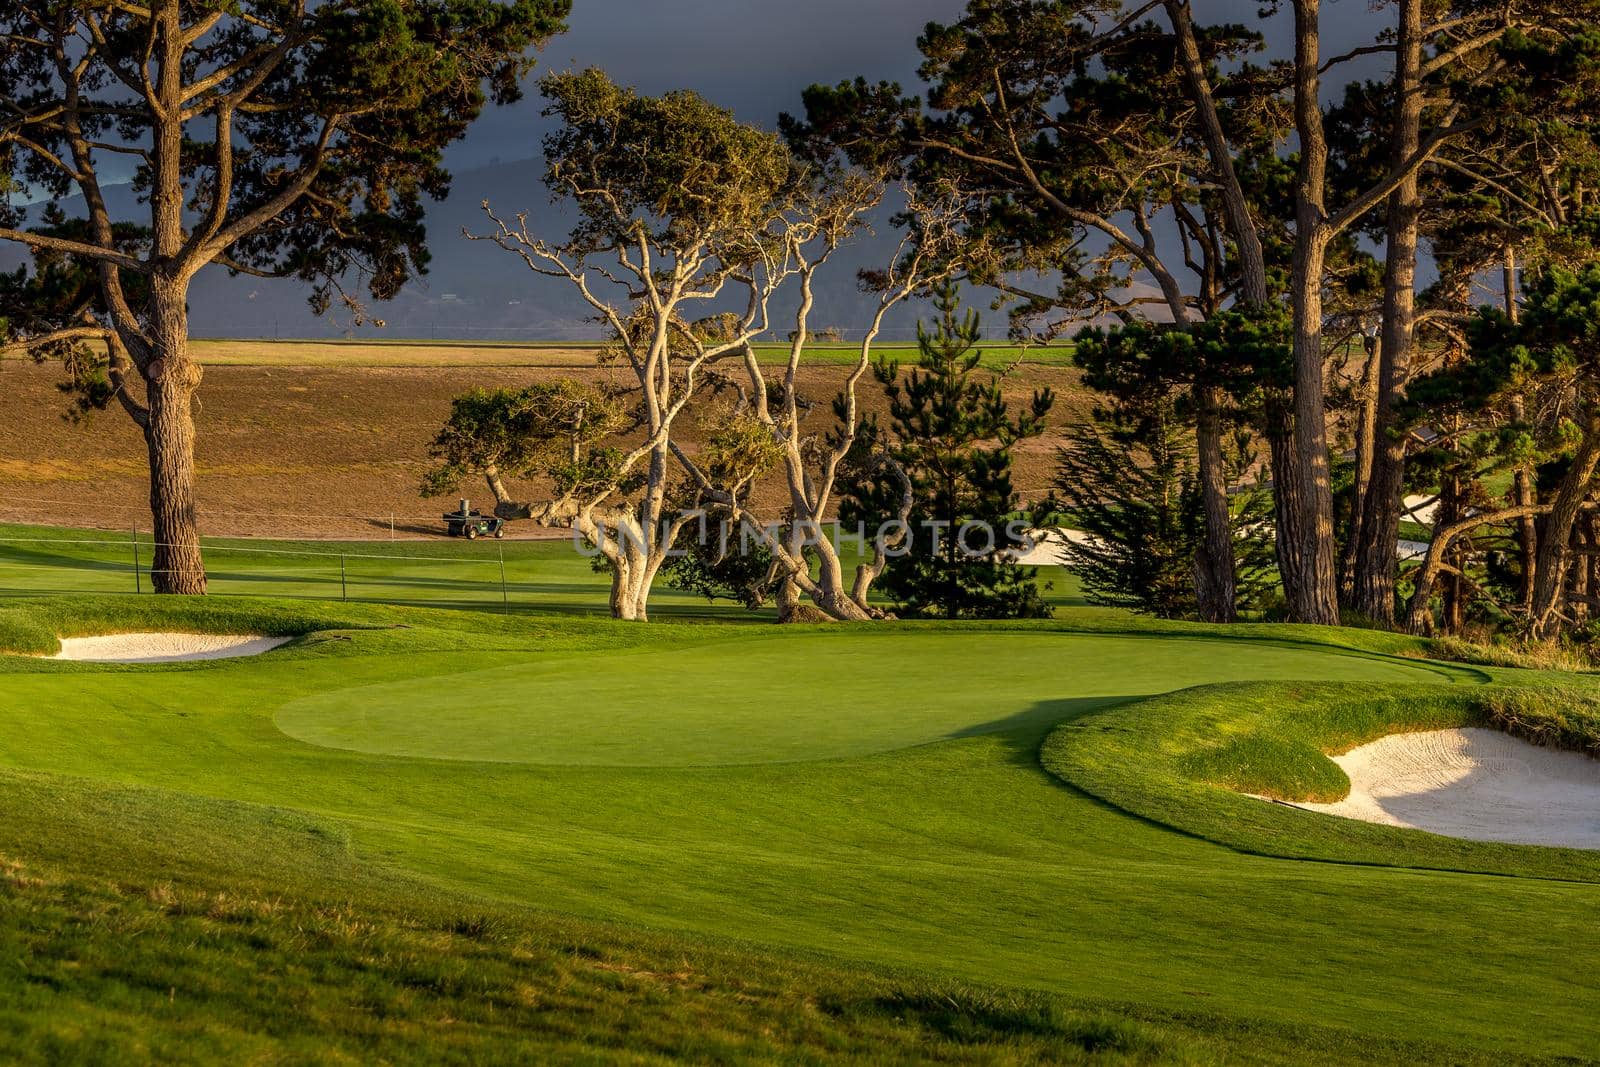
(680, 207)
(810, 462)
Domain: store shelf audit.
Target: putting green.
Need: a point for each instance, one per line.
(769, 701)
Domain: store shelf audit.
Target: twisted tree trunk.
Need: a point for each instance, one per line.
(1433, 564)
(634, 539)
(1556, 536)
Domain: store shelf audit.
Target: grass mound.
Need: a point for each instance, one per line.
(1184, 760)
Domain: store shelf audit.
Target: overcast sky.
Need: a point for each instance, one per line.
(755, 56)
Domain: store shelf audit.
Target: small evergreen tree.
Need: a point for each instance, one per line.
(1127, 481)
(951, 434)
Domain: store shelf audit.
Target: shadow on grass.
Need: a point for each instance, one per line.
(407, 527)
(72, 561)
(1024, 731)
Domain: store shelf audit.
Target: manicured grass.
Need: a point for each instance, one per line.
(1185, 760)
(959, 859)
(865, 692)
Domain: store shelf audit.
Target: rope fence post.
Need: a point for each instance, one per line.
(505, 597)
(344, 592)
(138, 585)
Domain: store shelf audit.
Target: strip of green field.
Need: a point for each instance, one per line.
(425, 352)
(151, 925)
(959, 857)
(486, 575)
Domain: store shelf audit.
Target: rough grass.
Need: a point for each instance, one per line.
(156, 927)
(1556, 718)
(1525, 655)
(1184, 760)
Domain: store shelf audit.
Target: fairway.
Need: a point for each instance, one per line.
(791, 697)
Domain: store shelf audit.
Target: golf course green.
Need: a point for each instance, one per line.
(865, 797)
(778, 698)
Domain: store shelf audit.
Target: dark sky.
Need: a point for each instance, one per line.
(755, 56)
(752, 56)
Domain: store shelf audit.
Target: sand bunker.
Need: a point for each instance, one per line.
(163, 648)
(1478, 784)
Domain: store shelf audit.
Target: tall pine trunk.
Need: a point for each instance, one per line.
(1309, 578)
(1214, 567)
(1582, 548)
(1556, 534)
(171, 376)
(1375, 558)
(171, 380)
(1287, 500)
(1454, 600)
(1366, 422)
(1216, 580)
(1522, 478)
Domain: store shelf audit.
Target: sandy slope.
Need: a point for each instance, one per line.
(164, 647)
(1473, 783)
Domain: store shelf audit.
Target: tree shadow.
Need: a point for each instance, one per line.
(433, 530)
(50, 558)
(1024, 731)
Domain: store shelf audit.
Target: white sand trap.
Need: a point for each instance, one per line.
(163, 648)
(1473, 783)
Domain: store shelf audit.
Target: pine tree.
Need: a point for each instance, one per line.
(952, 434)
(1128, 483)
